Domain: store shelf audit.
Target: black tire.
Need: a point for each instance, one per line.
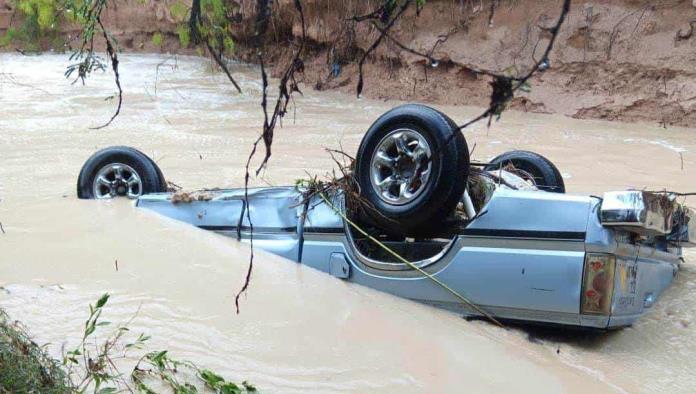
(163, 182)
(151, 177)
(543, 172)
(439, 193)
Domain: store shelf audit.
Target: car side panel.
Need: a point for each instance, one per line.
(527, 267)
(274, 213)
(517, 277)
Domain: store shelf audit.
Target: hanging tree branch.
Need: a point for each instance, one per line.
(197, 36)
(286, 88)
(113, 57)
(429, 56)
(90, 12)
(383, 32)
(503, 88)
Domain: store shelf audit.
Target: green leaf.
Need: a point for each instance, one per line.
(211, 378)
(158, 358)
(526, 87)
(249, 387)
(90, 330)
(229, 44)
(178, 11)
(229, 388)
(184, 35)
(102, 300)
(157, 39)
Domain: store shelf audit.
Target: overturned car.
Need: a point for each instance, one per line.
(503, 234)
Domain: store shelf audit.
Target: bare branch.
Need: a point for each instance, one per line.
(376, 43)
(113, 57)
(286, 88)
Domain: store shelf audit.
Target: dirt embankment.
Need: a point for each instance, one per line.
(628, 60)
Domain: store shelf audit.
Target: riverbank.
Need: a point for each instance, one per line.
(622, 60)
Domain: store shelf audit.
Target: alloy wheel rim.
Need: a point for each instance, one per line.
(401, 166)
(117, 180)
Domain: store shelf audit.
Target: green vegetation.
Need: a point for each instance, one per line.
(40, 20)
(184, 35)
(25, 367)
(157, 39)
(160, 366)
(212, 22)
(44, 11)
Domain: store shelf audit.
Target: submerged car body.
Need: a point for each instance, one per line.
(527, 255)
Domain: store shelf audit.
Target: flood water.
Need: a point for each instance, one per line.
(299, 330)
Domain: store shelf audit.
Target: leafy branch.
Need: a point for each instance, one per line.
(91, 365)
(208, 29)
(88, 14)
(160, 367)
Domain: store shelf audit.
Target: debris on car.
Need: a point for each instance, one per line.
(190, 196)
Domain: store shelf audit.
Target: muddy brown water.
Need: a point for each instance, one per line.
(299, 330)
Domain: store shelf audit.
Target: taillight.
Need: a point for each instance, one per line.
(598, 283)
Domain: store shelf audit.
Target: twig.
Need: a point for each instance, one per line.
(285, 92)
(221, 63)
(111, 52)
(196, 38)
(162, 64)
(376, 43)
(10, 79)
(615, 29)
(503, 89)
(491, 13)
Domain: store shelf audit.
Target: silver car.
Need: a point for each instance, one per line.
(512, 243)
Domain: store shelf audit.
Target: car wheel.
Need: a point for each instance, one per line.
(119, 171)
(532, 167)
(412, 166)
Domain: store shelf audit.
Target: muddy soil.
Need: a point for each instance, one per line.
(615, 60)
(626, 60)
(299, 330)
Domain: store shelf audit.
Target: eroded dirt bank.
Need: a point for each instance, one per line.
(627, 60)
